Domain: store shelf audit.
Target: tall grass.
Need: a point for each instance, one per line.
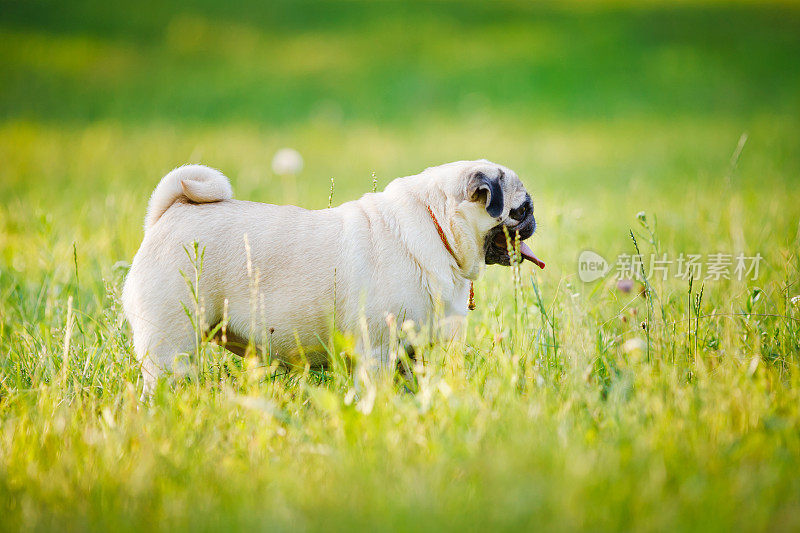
(549, 417)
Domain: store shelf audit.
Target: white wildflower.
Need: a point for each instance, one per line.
(287, 161)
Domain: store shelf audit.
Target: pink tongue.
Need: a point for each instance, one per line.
(528, 254)
(524, 250)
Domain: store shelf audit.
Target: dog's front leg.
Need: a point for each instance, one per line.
(373, 365)
(451, 330)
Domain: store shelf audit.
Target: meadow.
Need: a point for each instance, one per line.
(660, 404)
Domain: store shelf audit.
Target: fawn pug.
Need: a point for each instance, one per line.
(283, 276)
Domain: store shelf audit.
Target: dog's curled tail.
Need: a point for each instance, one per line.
(198, 183)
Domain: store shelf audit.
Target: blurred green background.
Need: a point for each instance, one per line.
(282, 63)
(550, 419)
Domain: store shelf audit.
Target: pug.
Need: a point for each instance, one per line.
(284, 278)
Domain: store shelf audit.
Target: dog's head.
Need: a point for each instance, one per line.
(489, 197)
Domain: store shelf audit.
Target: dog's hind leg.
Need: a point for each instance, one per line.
(163, 336)
(166, 347)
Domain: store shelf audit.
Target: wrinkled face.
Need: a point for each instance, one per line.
(510, 205)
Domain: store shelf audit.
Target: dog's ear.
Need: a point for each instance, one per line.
(481, 188)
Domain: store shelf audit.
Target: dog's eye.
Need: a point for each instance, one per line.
(520, 213)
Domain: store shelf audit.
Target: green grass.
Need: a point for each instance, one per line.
(544, 420)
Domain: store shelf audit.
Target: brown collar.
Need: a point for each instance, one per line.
(443, 237)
